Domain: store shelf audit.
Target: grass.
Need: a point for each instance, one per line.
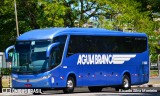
(153, 73)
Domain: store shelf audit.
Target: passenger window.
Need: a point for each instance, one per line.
(106, 44)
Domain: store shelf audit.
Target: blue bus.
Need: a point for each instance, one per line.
(65, 58)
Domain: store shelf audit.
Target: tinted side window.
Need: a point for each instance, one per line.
(140, 44)
(57, 52)
(61, 39)
(74, 45)
(56, 56)
(106, 44)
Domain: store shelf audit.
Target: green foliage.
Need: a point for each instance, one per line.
(7, 24)
(129, 14)
(5, 71)
(126, 13)
(52, 14)
(152, 5)
(120, 14)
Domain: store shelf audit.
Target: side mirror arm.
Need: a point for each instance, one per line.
(7, 50)
(48, 52)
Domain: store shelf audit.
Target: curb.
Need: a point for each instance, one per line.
(148, 85)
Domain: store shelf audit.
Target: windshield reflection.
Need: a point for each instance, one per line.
(30, 57)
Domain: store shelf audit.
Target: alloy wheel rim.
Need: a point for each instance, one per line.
(70, 84)
(126, 83)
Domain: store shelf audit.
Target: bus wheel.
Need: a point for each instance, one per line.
(117, 88)
(95, 89)
(126, 84)
(70, 85)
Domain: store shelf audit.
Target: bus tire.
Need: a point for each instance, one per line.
(95, 89)
(36, 93)
(126, 82)
(70, 85)
(117, 88)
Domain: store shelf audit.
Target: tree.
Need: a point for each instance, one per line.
(126, 13)
(52, 13)
(7, 24)
(129, 14)
(152, 5)
(112, 14)
(82, 11)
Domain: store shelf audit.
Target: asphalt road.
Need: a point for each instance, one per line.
(105, 92)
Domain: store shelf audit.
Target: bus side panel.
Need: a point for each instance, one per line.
(92, 74)
(68, 67)
(145, 67)
(106, 74)
(140, 73)
(86, 75)
(57, 79)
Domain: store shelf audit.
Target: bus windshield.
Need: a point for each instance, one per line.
(30, 57)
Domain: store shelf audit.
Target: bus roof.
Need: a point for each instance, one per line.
(49, 33)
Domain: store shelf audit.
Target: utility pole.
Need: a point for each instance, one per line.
(15, 9)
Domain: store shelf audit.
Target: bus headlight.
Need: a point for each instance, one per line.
(46, 77)
(14, 77)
